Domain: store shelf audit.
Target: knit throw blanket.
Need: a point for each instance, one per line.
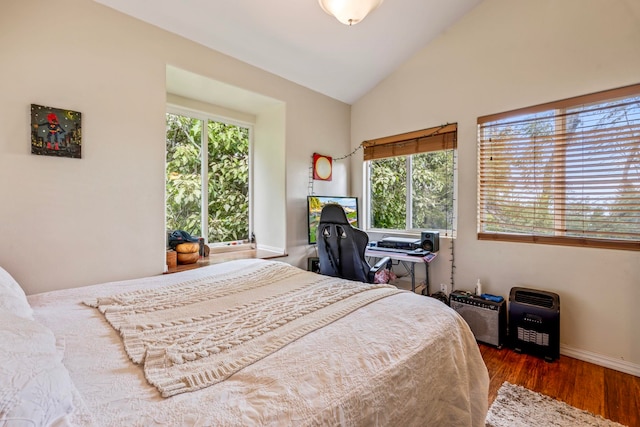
(197, 333)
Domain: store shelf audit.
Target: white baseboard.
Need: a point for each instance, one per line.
(270, 249)
(601, 360)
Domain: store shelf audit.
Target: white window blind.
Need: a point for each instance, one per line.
(566, 172)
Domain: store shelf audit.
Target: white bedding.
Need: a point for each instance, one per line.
(403, 360)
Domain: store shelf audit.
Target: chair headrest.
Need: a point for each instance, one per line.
(333, 213)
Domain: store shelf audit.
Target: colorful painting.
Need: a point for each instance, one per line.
(56, 132)
(322, 166)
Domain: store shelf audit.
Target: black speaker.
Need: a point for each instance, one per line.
(487, 319)
(313, 264)
(430, 241)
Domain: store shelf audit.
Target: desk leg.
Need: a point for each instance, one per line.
(426, 279)
(413, 276)
(411, 268)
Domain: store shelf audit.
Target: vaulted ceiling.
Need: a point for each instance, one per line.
(297, 40)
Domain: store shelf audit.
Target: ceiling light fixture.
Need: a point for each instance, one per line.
(349, 12)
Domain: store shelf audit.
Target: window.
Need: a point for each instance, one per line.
(218, 205)
(565, 173)
(410, 179)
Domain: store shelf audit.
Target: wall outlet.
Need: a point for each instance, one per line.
(443, 288)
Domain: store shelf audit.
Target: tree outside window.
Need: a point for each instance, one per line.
(564, 173)
(414, 190)
(217, 207)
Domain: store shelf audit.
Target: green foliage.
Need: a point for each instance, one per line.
(227, 178)
(228, 182)
(183, 186)
(431, 191)
(388, 193)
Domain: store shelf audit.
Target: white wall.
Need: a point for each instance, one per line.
(269, 130)
(505, 55)
(325, 138)
(69, 222)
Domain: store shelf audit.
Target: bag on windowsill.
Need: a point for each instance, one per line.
(180, 236)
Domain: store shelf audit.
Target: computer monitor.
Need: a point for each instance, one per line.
(314, 208)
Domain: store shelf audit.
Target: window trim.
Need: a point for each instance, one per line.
(568, 103)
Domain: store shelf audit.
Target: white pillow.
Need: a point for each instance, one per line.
(35, 387)
(12, 297)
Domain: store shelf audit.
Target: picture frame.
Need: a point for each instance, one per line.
(56, 132)
(322, 167)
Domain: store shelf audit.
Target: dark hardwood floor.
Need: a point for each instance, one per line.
(602, 391)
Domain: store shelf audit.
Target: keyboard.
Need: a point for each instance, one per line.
(414, 252)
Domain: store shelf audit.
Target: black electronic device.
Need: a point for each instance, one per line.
(402, 243)
(430, 241)
(534, 322)
(313, 264)
(487, 319)
(441, 296)
(314, 208)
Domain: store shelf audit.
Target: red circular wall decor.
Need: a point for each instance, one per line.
(322, 166)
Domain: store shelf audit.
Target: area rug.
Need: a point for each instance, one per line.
(517, 406)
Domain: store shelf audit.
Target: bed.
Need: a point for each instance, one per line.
(383, 357)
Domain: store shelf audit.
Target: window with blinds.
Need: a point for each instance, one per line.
(410, 180)
(565, 173)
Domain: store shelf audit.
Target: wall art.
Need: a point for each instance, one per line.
(322, 166)
(56, 132)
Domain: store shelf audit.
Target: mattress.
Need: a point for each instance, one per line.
(402, 360)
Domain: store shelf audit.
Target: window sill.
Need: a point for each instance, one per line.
(218, 256)
(561, 241)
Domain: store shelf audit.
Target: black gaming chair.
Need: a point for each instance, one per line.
(341, 247)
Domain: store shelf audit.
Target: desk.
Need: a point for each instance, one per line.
(408, 261)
